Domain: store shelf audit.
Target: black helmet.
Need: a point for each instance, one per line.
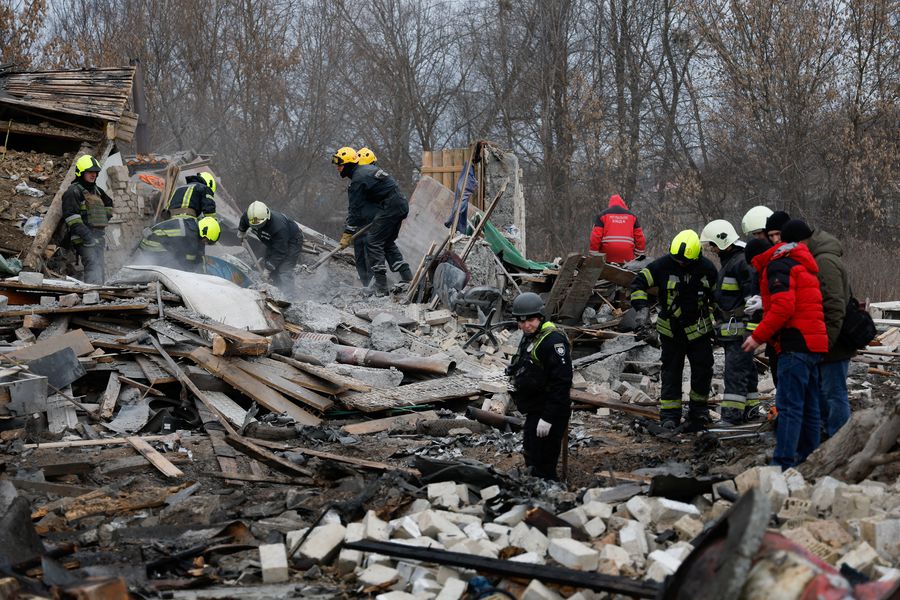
(527, 305)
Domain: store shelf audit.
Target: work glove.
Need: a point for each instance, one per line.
(754, 303)
(543, 429)
(346, 238)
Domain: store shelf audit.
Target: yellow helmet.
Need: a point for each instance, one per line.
(86, 164)
(686, 245)
(719, 232)
(209, 229)
(755, 219)
(258, 213)
(344, 156)
(366, 156)
(209, 180)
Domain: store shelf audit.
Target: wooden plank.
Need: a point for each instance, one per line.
(248, 385)
(45, 487)
(113, 441)
(153, 372)
(225, 454)
(230, 409)
(310, 382)
(110, 396)
(258, 478)
(348, 382)
(246, 339)
(159, 461)
(60, 413)
(379, 425)
(582, 288)
(286, 387)
(76, 340)
(357, 462)
(423, 392)
(36, 309)
(563, 282)
(617, 275)
(251, 449)
(144, 388)
(602, 402)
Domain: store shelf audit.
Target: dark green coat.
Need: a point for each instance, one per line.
(835, 285)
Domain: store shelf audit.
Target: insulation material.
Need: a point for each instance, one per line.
(211, 296)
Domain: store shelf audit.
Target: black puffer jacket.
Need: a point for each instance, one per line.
(372, 192)
(281, 236)
(541, 373)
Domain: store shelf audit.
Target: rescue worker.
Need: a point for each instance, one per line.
(541, 373)
(173, 243)
(794, 322)
(86, 210)
(367, 212)
(685, 282)
(280, 235)
(734, 291)
(370, 185)
(753, 223)
(617, 233)
(194, 199)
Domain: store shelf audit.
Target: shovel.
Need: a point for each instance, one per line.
(324, 259)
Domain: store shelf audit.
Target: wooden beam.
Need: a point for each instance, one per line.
(271, 378)
(247, 340)
(114, 441)
(326, 374)
(110, 396)
(37, 309)
(76, 340)
(278, 463)
(379, 425)
(159, 461)
(251, 387)
(601, 402)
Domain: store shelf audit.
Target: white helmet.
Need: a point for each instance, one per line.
(755, 219)
(258, 213)
(719, 232)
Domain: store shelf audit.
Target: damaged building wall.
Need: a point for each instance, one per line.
(509, 216)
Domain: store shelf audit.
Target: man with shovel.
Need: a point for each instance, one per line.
(280, 235)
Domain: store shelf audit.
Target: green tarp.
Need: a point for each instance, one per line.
(503, 248)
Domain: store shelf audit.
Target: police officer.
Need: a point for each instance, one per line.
(281, 236)
(372, 185)
(86, 210)
(541, 374)
(734, 292)
(685, 281)
(174, 244)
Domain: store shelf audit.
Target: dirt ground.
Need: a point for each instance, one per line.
(44, 172)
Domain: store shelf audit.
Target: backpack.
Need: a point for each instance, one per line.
(858, 328)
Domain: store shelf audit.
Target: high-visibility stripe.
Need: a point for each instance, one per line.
(672, 282)
(730, 287)
(546, 329)
(617, 239)
(638, 295)
(698, 397)
(669, 404)
(646, 273)
(733, 401)
(72, 219)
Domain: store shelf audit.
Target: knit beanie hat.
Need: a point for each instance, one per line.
(794, 231)
(754, 248)
(776, 220)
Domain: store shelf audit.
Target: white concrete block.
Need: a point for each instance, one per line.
(375, 528)
(422, 542)
(597, 509)
(378, 575)
(668, 561)
(862, 558)
(425, 588)
(883, 535)
(432, 524)
(796, 484)
(476, 547)
(474, 531)
(513, 516)
(558, 532)
(641, 509)
(396, 595)
(417, 506)
(442, 488)
(595, 527)
(538, 591)
(593, 495)
(575, 517)
(495, 530)
(615, 554)
(348, 560)
(453, 589)
(463, 493)
(680, 550)
(448, 539)
(460, 519)
(633, 538)
(322, 544)
(445, 573)
(823, 493)
(490, 492)
(529, 538)
(404, 528)
(529, 558)
(688, 527)
(666, 512)
(573, 554)
(274, 564)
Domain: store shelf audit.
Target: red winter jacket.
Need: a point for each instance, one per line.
(617, 233)
(793, 318)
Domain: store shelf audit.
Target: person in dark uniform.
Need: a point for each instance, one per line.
(541, 373)
(684, 280)
(173, 244)
(195, 199)
(371, 185)
(367, 214)
(282, 238)
(86, 210)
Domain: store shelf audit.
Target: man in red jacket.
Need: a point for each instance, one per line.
(617, 233)
(794, 321)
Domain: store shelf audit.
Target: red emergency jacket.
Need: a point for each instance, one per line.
(793, 318)
(617, 233)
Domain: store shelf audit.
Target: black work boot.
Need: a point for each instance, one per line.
(732, 416)
(751, 413)
(698, 417)
(405, 274)
(380, 285)
(670, 418)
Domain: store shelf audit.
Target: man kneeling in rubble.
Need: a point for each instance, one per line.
(174, 243)
(541, 374)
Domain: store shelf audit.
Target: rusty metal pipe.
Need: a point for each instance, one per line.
(493, 419)
(350, 355)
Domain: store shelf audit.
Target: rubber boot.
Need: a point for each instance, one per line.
(732, 416)
(380, 285)
(698, 417)
(751, 413)
(670, 418)
(405, 274)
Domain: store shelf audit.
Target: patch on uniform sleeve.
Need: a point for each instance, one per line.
(560, 349)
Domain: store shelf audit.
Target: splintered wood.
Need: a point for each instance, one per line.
(434, 390)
